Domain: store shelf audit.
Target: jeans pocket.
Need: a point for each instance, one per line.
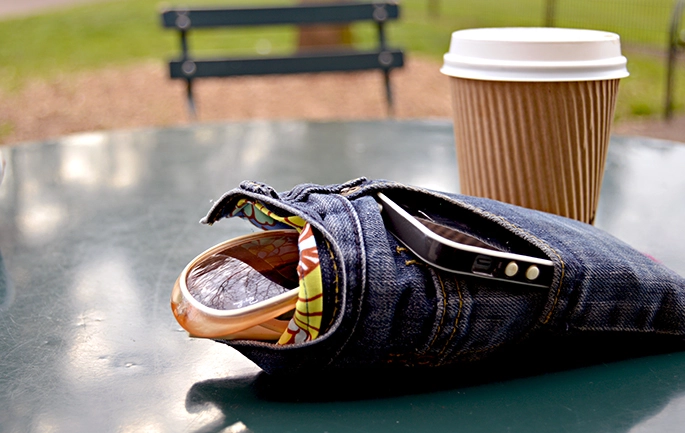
(491, 316)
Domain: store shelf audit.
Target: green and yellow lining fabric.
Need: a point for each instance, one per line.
(306, 322)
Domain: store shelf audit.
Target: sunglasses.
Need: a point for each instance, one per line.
(244, 288)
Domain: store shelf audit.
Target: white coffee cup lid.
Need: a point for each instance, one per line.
(534, 54)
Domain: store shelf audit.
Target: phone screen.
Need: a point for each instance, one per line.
(453, 234)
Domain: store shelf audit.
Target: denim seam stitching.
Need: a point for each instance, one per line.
(442, 318)
(361, 275)
(336, 282)
(456, 320)
(558, 293)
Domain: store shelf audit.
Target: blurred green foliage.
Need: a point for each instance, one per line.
(90, 36)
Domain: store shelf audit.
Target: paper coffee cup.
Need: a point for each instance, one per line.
(533, 109)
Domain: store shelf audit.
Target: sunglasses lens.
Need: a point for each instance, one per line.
(250, 271)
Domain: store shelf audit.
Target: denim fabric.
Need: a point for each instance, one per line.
(387, 308)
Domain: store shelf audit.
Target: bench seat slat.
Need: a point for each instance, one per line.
(329, 62)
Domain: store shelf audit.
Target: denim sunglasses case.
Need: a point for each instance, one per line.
(387, 308)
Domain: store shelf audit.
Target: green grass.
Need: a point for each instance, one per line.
(642, 94)
(127, 31)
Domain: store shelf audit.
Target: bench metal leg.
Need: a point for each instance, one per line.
(388, 93)
(192, 112)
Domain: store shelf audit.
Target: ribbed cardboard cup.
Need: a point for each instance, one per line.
(533, 109)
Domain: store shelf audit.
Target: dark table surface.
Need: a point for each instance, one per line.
(95, 228)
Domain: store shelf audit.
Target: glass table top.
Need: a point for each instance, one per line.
(95, 228)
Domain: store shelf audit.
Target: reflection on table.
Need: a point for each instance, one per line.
(94, 229)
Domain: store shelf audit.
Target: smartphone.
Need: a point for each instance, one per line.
(454, 251)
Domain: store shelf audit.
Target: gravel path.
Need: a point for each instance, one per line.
(143, 95)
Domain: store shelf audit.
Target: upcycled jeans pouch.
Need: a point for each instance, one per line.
(386, 307)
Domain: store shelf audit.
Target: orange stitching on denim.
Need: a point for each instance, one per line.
(412, 262)
(444, 310)
(556, 296)
(400, 250)
(456, 320)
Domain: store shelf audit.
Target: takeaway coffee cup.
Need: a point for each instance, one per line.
(533, 109)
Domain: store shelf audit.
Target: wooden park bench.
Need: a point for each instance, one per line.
(189, 67)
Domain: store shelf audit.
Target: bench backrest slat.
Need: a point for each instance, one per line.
(187, 18)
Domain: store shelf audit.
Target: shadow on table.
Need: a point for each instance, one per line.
(263, 400)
